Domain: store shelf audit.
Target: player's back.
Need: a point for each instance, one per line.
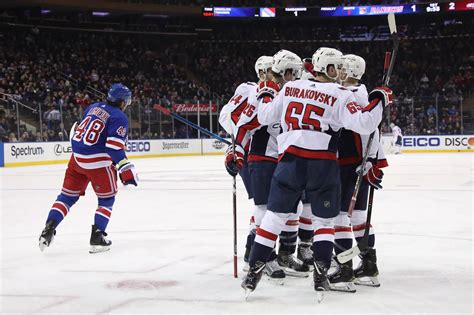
(309, 127)
(351, 145)
(92, 134)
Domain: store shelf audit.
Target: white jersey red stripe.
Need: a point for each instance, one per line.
(230, 113)
(262, 139)
(311, 113)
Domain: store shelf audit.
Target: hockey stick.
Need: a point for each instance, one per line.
(388, 68)
(189, 123)
(360, 176)
(234, 211)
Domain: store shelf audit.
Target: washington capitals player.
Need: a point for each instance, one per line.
(351, 148)
(311, 115)
(262, 160)
(228, 119)
(98, 147)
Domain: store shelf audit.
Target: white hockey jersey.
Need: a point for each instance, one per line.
(230, 113)
(396, 132)
(351, 147)
(261, 140)
(311, 114)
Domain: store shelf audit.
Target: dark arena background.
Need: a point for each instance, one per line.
(173, 238)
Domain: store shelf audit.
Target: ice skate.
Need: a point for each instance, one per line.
(292, 266)
(305, 254)
(99, 242)
(251, 280)
(274, 272)
(366, 273)
(343, 278)
(320, 280)
(47, 235)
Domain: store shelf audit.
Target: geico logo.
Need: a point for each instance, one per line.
(421, 142)
(25, 151)
(457, 141)
(140, 146)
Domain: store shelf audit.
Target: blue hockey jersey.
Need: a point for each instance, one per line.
(100, 138)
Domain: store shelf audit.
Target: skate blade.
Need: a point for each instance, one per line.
(297, 274)
(319, 296)
(43, 243)
(98, 249)
(247, 294)
(348, 287)
(368, 282)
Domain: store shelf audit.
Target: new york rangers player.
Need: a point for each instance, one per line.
(98, 146)
(311, 115)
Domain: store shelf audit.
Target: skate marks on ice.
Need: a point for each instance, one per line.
(172, 247)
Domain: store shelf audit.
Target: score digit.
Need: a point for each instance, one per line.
(413, 7)
(452, 6)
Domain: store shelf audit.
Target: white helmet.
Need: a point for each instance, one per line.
(354, 66)
(324, 56)
(284, 60)
(263, 63)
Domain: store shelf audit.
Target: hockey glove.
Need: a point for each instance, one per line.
(234, 163)
(372, 174)
(127, 173)
(382, 93)
(267, 90)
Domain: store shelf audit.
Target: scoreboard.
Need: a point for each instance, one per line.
(271, 12)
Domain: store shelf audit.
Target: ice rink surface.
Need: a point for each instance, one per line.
(172, 244)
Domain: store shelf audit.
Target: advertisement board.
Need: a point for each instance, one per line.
(213, 147)
(422, 144)
(40, 153)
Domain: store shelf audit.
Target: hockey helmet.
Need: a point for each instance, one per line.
(119, 92)
(323, 57)
(353, 66)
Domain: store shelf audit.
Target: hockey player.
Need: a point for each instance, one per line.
(262, 160)
(311, 115)
(98, 146)
(351, 148)
(396, 138)
(228, 119)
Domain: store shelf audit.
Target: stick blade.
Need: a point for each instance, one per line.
(392, 24)
(348, 254)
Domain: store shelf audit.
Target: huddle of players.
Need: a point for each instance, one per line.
(300, 134)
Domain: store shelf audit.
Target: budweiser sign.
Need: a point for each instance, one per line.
(194, 108)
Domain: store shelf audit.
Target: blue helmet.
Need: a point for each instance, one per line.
(119, 92)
